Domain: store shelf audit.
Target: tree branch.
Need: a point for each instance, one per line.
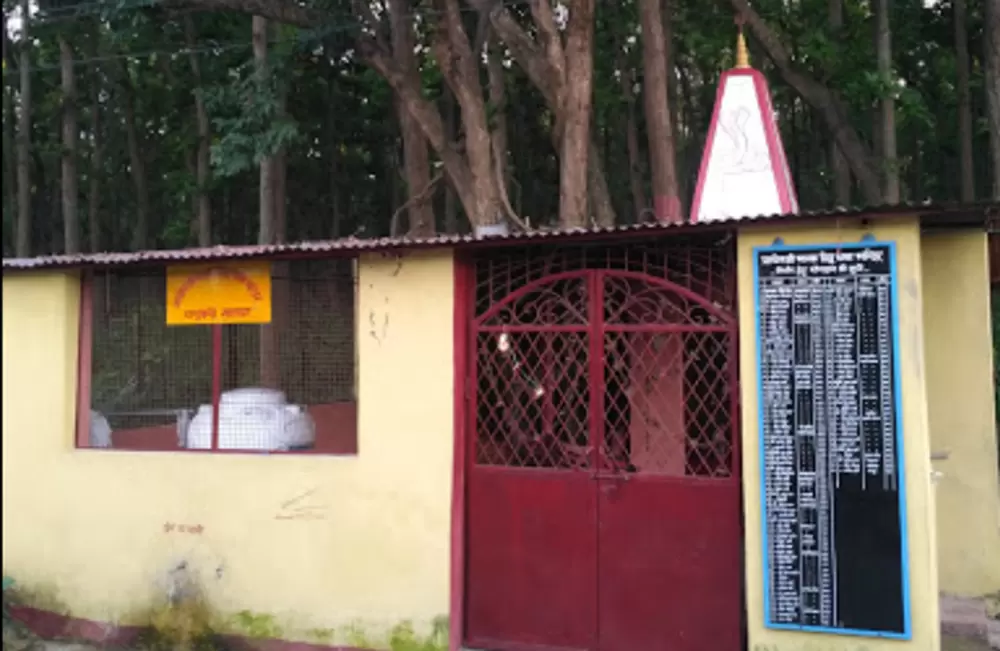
(425, 113)
(821, 98)
(415, 200)
(549, 37)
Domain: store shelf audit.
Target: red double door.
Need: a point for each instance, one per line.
(603, 502)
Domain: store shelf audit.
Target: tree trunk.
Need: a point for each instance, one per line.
(991, 38)
(95, 174)
(70, 133)
(456, 166)
(887, 106)
(659, 127)
(544, 63)
(332, 112)
(96, 161)
(416, 161)
(137, 164)
(667, 11)
(270, 364)
(335, 216)
(23, 244)
(967, 174)
(632, 141)
(465, 172)
(202, 200)
(822, 99)
(9, 135)
(266, 230)
(838, 164)
(498, 104)
(600, 194)
(460, 67)
(274, 341)
(577, 103)
(281, 175)
(450, 199)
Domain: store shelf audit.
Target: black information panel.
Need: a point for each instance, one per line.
(833, 545)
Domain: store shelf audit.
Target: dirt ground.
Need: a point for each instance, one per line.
(950, 643)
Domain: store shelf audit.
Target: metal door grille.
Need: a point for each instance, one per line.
(614, 359)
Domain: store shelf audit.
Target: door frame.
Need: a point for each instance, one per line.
(463, 286)
(463, 266)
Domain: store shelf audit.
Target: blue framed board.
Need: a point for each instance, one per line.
(833, 492)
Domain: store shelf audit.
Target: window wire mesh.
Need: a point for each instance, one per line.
(286, 385)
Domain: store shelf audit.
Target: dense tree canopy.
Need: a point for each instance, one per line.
(168, 123)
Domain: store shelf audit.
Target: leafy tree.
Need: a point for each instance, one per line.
(414, 117)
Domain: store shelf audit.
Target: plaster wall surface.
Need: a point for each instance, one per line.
(314, 543)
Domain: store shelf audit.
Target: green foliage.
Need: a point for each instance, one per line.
(257, 625)
(250, 121)
(193, 624)
(340, 127)
(402, 637)
(8, 584)
(184, 626)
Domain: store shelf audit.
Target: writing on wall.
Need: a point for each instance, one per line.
(173, 527)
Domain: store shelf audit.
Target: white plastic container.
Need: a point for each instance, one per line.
(253, 419)
(100, 431)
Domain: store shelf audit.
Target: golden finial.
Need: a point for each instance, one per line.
(742, 54)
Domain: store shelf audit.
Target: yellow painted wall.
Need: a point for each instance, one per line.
(919, 492)
(959, 351)
(85, 528)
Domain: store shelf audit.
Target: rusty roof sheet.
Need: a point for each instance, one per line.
(975, 213)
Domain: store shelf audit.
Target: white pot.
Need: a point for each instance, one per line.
(253, 419)
(100, 431)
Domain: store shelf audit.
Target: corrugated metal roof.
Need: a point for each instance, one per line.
(354, 244)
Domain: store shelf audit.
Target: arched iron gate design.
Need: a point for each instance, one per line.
(603, 488)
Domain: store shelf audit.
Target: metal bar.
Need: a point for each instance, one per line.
(216, 382)
(533, 328)
(595, 387)
(595, 383)
(85, 345)
(148, 412)
(548, 404)
(526, 289)
(733, 386)
(654, 328)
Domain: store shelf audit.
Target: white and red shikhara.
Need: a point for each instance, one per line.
(744, 172)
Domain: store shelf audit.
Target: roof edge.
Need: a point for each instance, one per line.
(942, 214)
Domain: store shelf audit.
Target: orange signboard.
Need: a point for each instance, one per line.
(219, 293)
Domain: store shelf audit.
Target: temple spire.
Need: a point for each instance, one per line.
(744, 172)
(742, 54)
